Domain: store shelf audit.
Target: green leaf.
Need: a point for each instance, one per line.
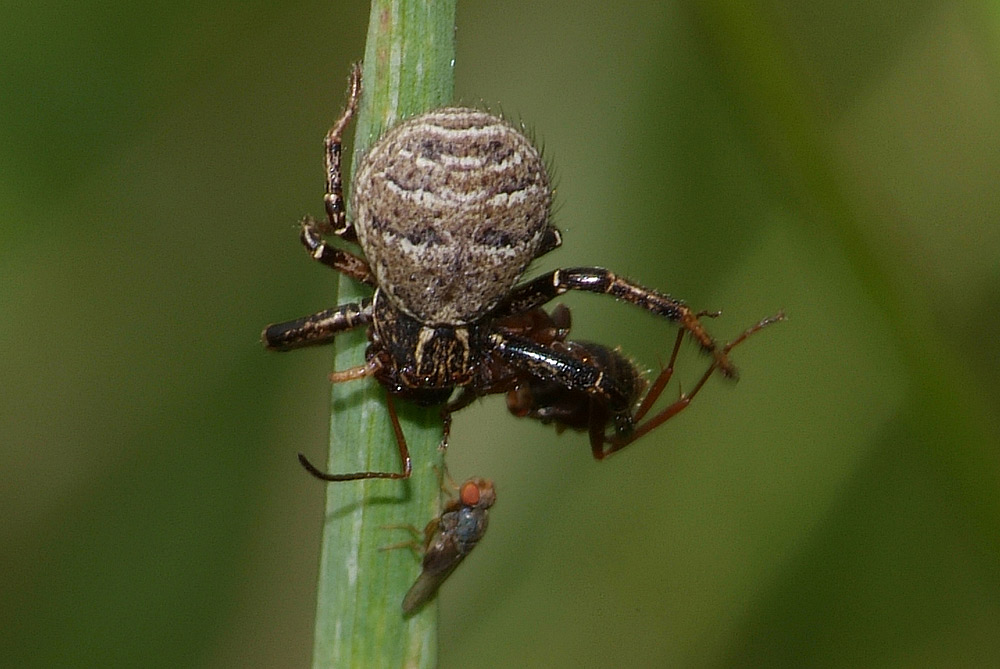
(408, 68)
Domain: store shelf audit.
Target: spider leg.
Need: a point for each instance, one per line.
(319, 328)
(404, 455)
(336, 214)
(551, 240)
(619, 442)
(464, 399)
(334, 258)
(537, 292)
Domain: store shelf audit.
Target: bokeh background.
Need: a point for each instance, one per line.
(838, 506)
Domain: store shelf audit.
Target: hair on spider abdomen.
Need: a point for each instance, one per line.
(450, 207)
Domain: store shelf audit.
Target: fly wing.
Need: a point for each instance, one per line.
(441, 555)
(426, 586)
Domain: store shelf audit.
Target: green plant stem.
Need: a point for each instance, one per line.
(408, 68)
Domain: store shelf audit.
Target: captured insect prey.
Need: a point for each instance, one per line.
(448, 539)
(551, 402)
(449, 208)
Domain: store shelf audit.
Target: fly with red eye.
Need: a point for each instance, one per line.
(448, 539)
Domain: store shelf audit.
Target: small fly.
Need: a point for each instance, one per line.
(449, 538)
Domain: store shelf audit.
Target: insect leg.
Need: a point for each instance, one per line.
(660, 382)
(619, 442)
(542, 362)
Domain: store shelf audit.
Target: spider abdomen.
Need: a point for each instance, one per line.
(450, 207)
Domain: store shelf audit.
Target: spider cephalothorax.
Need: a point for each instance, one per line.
(450, 207)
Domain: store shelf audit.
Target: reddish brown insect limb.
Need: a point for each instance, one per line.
(663, 378)
(404, 452)
(413, 544)
(404, 455)
(770, 320)
(661, 381)
(617, 443)
(355, 373)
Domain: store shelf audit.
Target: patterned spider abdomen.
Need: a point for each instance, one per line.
(450, 207)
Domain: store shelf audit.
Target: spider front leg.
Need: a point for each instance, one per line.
(336, 213)
(538, 291)
(318, 328)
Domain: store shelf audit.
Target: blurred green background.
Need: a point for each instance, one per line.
(839, 506)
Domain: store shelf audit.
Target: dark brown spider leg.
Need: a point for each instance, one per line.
(538, 291)
(619, 442)
(544, 363)
(404, 454)
(464, 399)
(336, 214)
(319, 328)
(551, 240)
(334, 258)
